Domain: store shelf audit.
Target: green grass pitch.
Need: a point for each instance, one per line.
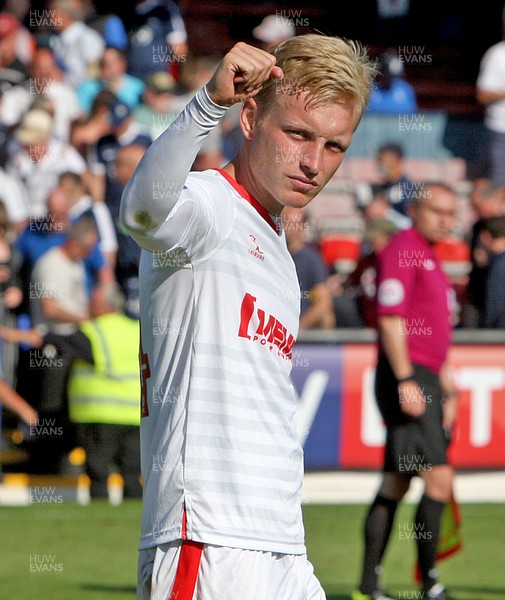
(71, 552)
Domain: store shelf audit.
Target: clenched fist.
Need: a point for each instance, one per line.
(241, 74)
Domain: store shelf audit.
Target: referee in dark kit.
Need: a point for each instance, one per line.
(414, 391)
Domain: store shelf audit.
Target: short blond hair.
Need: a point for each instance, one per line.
(330, 69)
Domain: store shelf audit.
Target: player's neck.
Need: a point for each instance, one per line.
(239, 170)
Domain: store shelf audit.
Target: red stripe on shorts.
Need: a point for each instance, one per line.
(187, 567)
(187, 570)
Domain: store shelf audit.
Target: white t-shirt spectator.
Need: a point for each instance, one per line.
(41, 177)
(56, 276)
(15, 198)
(76, 49)
(17, 100)
(492, 79)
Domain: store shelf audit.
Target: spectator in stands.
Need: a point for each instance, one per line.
(12, 70)
(40, 159)
(158, 39)
(10, 285)
(487, 201)
(316, 305)
(103, 389)
(15, 199)
(25, 40)
(493, 239)
(111, 76)
(60, 303)
(392, 94)
(397, 187)
(80, 203)
(491, 94)
(76, 46)
(104, 393)
(273, 29)
(159, 106)
(51, 231)
(107, 24)
(375, 205)
(43, 233)
(42, 380)
(361, 283)
(46, 81)
(87, 130)
(124, 132)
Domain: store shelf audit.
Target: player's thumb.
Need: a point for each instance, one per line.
(276, 73)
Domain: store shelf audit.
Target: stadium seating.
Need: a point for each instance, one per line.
(340, 251)
(455, 257)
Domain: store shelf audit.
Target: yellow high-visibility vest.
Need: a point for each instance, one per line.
(109, 390)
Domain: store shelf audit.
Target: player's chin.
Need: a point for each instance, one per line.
(298, 199)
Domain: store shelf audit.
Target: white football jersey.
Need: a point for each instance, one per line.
(219, 302)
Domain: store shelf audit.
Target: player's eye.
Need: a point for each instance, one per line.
(297, 134)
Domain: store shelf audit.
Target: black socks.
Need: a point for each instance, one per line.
(378, 524)
(427, 527)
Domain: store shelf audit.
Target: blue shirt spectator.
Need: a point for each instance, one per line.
(114, 78)
(392, 94)
(48, 232)
(158, 38)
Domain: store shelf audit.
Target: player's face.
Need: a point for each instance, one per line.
(434, 215)
(294, 151)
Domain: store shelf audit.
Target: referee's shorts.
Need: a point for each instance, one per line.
(413, 445)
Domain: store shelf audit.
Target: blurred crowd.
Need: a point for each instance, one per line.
(83, 93)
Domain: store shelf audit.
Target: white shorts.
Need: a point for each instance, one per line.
(193, 571)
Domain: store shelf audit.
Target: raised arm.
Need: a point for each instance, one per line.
(156, 185)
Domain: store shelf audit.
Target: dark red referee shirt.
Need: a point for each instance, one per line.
(412, 285)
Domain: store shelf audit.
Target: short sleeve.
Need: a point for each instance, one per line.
(492, 70)
(395, 280)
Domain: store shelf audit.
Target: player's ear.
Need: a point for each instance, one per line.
(249, 118)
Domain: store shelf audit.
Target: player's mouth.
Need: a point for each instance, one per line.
(302, 184)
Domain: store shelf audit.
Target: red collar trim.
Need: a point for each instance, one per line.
(247, 196)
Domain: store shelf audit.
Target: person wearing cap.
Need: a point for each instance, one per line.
(40, 159)
(12, 70)
(112, 76)
(273, 29)
(159, 106)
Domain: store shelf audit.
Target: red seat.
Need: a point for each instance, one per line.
(455, 256)
(340, 251)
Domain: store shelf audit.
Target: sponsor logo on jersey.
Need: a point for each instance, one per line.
(258, 326)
